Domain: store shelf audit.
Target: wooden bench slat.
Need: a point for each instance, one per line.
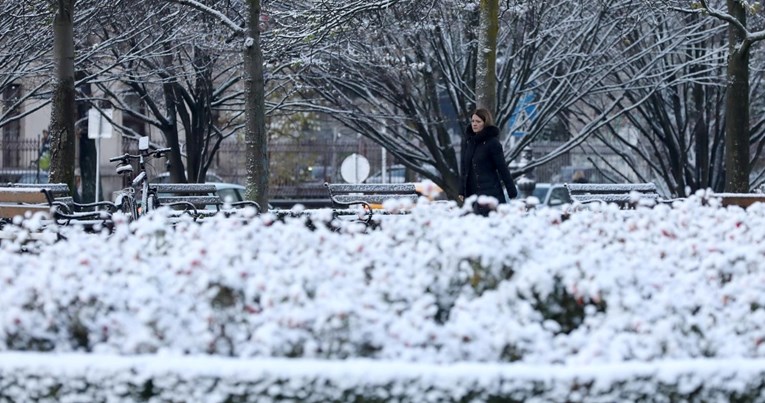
(612, 198)
(374, 199)
(740, 199)
(19, 196)
(184, 188)
(387, 188)
(195, 200)
(55, 188)
(606, 188)
(622, 194)
(10, 211)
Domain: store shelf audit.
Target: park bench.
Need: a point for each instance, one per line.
(20, 202)
(370, 196)
(742, 200)
(54, 202)
(626, 195)
(197, 199)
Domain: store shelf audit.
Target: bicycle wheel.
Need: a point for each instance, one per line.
(126, 204)
(151, 202)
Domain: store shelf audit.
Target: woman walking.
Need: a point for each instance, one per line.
(483, 166)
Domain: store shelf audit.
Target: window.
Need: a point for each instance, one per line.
(130, 117)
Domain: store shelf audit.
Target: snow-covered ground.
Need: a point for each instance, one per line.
(673, 290)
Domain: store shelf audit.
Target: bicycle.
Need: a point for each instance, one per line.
(126, 198)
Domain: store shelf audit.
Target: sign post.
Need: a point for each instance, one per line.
(355, 168)
(99, 128)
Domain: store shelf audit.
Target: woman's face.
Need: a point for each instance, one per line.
(476, 123)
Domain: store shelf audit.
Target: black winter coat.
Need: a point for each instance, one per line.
(483, 165)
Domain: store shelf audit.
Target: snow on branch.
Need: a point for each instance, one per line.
(225, 20)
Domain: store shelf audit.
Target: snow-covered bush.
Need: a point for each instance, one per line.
(35, 377)
(594, 288)
(437, 285)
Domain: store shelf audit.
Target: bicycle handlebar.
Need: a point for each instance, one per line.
(120, 158)
(126, 157)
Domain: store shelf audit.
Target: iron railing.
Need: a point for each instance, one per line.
(298, 168)
(19, 157)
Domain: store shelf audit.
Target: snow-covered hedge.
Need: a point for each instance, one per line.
(101, 378)
(599, 286)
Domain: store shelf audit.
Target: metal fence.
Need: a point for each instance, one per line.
(564, 167)
(296, 162)
(296, 166)
(299, 167)
(19, 157)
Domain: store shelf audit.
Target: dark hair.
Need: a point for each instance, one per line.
(485, 115)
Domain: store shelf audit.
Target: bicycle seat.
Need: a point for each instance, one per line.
(124, 169)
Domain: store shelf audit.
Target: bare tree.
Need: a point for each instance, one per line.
(25, 42)
(741, 39)
(63, 88)
(323, 19)
(407, 79)
(676, 136)
(63, 102)
(256, 139)
(175, 73)
(486, 60)
(28, 56)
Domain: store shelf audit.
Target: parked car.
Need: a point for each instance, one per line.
(23, 176)
(232, 192)
(229, 192)
(395, 174)
(34, 177)
(551, 194)
(164, 177)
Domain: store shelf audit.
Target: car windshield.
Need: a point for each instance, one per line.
(41, 177)
(540, 191)
(395, 174)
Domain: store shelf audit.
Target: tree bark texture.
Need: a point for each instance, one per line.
(737, 105)
(256, 138)
(200, 117)
(486, 64)
(87, 155)
(63, 111)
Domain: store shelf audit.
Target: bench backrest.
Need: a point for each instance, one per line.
(59, 191)
(346, 194)
(743, 200)
(619, 193)
(15, 201)
(200, 195)
(55, 201)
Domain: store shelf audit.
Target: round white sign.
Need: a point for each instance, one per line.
(355, 168)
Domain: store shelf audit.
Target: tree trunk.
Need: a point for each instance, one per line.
(87, 146)
(63, 111)
(486, 64)
(170, 131)
(737, 106)
(256, 138)
(200, 117)
(701, 141)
